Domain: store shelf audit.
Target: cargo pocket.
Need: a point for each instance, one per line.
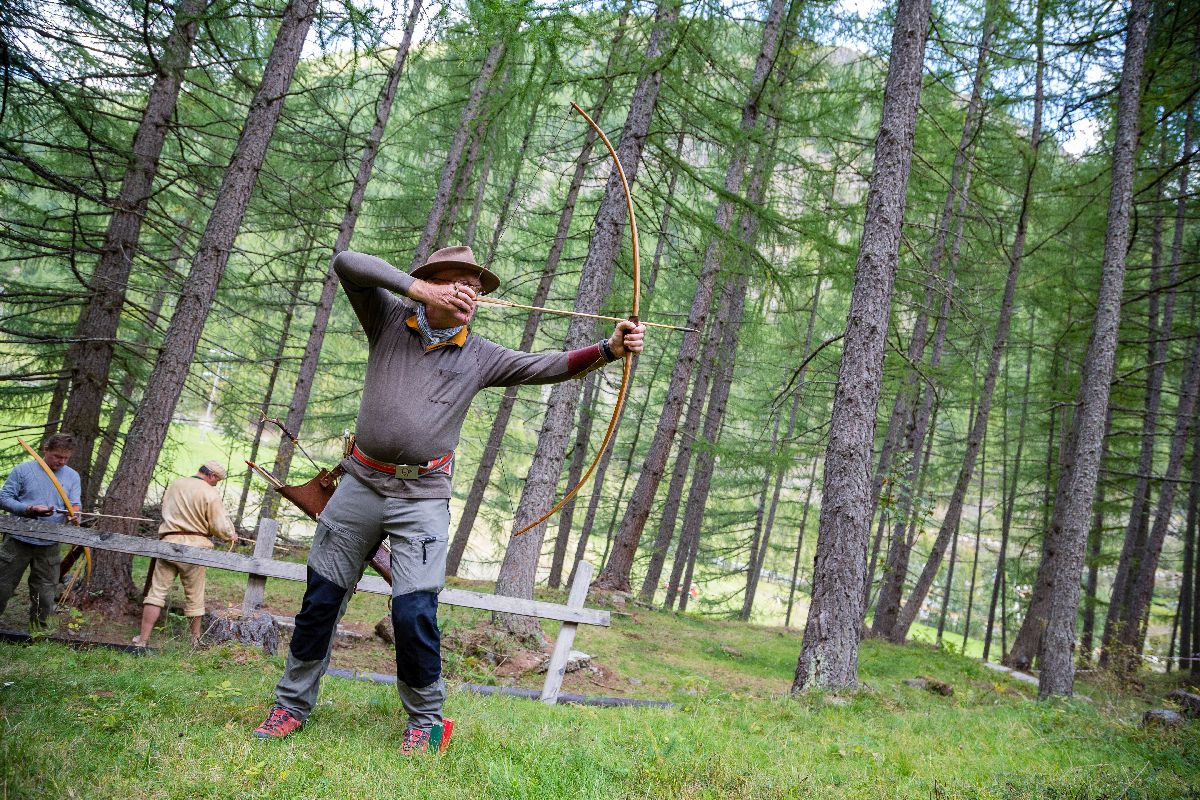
(418, 563)
(446, 386)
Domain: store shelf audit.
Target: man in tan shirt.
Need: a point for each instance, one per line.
(192, 512)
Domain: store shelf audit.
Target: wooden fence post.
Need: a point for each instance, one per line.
(264, 546)
(566, 635)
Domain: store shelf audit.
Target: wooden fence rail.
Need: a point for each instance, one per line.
(261, 566)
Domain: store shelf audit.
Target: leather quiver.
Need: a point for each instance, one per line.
(312, 496)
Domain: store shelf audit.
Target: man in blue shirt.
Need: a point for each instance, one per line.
(28, 492)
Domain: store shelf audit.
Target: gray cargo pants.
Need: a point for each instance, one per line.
(350, 529)
(42, 561)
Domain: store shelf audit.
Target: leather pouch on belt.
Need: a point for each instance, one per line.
(312, 496)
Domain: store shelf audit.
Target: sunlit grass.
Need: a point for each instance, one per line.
(176, 724)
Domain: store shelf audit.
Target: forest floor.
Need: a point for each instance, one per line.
(175, 723)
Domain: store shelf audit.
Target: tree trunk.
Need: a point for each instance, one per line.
(756, 190)
(1095, 546)
(511, 191)
(1068, 539)
(450, 169)
(307, 370)
(89, 359)
(462, 177)
(1029, 635)
(491, 450)
(601, 472)
(756, 568)
(519, 568)
(480, 194)
(264, 408)
(1193, 521)
(729, 320)
(975, 560)
(999, 343)
(688, 435)
(111, 586)
(1132, 627)
(106, 443)
(583, 432)
(1160, 336)
(615, 576)
(914, 399)
(1006, 519)
(941, 628)
(58, 398)
(812, 479)
(829, 653)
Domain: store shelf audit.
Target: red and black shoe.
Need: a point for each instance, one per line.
(417, 741)
(279, 723)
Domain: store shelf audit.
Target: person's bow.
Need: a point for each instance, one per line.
(633, 317)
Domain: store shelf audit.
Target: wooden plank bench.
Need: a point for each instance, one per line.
(261, 566)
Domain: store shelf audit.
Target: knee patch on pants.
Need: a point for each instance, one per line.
(418, 640)
(317, 618)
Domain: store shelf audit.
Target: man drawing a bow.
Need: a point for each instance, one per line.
(423, 369)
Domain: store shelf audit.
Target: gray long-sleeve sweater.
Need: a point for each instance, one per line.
(415, 398)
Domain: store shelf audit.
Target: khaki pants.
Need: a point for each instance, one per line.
(42, 561)
(190, 575)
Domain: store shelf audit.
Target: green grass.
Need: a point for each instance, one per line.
(100, 724)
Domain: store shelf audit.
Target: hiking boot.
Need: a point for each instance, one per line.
(279, 723)
(418, 741)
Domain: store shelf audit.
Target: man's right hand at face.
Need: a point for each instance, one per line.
(450, 297)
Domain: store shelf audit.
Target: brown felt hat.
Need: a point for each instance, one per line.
(457, 257)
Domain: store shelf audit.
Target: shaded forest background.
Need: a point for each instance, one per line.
(182, 173)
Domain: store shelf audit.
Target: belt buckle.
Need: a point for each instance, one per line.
(408, 471)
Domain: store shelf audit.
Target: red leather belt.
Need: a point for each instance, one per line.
(441, 464)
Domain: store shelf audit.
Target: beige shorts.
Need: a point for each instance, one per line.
(190, 575)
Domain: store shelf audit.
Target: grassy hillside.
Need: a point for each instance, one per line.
(175, 724)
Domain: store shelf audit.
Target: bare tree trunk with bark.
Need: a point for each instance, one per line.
(714, 419)
(566, 515)
(1160, 337)
(616, 572)
(829, 654)
(1095, 546)
(264, 407)
(812, 480)
(1068, 539)
(914, 401)
(1006, 519)
(999, 343)
(1190, 526)
(89, 359)
(519, 567)
(756, 566)
(1132, 627)
(689, 433)
(111, 585)
(450, 169)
